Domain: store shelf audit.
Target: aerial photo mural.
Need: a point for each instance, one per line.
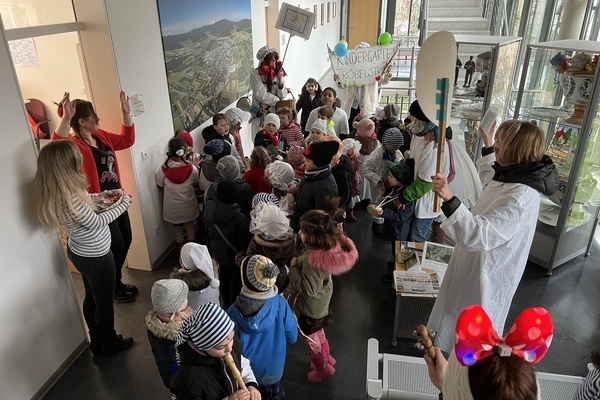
(208, 56)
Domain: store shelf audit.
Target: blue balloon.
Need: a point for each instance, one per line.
(340, 49)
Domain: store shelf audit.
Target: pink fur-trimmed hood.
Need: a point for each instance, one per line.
(337, 260)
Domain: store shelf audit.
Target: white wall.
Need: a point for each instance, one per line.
(40, 322)
(50, 79)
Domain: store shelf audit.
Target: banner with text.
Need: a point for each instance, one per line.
(363, 65)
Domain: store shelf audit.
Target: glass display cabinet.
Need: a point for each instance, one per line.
(559, 90)
(495, 59)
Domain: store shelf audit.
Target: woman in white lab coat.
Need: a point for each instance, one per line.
(494, 238)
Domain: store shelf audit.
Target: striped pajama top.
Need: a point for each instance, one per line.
(89, 235)
(590, 388)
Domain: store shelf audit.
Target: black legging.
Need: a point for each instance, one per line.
(98, 281)
(120, 236)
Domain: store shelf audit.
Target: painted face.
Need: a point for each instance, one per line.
(271, 129)
(327, 98)
(284, 120)
(316, 135)
(311, 88)
(223, 348)
(222, 127)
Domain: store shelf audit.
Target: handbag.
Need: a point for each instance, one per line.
(290, 103)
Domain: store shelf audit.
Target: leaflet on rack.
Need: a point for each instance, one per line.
(416, 282)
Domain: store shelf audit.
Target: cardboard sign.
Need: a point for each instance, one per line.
(362, 66)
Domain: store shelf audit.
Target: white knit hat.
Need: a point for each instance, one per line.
(228, 167)
(320, 125)
(272, 118)
(269, 222)
(281, 175)
(208, 326)
(168, 295)
(196, 256)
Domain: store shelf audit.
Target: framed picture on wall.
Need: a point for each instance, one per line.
(322, 14)
(334, 9)
(295, 20)
(328, 11)
(315, 12)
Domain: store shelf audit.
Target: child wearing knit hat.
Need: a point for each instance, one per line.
(352, 151)
(228, 234)
(281, 177)
(273, 238)
(269, 135)
(377, 168)
(264, 323)
(228, 169)
(200, 272)
(216, 149)
(205, 338)
(397, 219)
(318, 186)
(169, 300)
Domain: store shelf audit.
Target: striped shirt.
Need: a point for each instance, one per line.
(89, 235)
(590, 388)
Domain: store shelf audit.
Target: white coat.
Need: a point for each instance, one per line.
(425, 155)
(263, 98)
(492, 247)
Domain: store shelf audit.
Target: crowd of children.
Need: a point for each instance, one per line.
(221, 324)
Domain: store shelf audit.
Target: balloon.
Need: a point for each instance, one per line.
(343, 41)
(340, 49)
(384, 38)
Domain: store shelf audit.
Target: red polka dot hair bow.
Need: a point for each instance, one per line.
(476, 339)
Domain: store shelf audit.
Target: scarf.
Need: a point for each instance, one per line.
(541, 176)
(269, 72)
(274, 139)
(317, 171)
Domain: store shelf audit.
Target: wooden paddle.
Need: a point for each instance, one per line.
(436, 64)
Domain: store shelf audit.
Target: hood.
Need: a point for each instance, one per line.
(261, 322)
(541, 176)
(275, 245)
(337, 260)
(162, 330)
(209, 133)
(345, 164)
(177, 172)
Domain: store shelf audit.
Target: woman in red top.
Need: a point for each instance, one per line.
(100, 166)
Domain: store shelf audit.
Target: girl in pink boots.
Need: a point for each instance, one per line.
(327, 252)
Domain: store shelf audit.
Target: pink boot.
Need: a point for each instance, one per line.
(325, 347)
(320, 367)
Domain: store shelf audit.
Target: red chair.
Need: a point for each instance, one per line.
(37, 111)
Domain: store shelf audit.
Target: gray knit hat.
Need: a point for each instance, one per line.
(228, 167)
(168, 295)
(208, 326)
(392, 137)
(259, 275)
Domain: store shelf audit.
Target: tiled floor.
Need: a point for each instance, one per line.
(363, 307)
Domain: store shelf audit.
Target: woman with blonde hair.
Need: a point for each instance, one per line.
(492, 240)
(62, 201)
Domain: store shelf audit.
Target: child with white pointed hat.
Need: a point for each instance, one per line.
(199, 272)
